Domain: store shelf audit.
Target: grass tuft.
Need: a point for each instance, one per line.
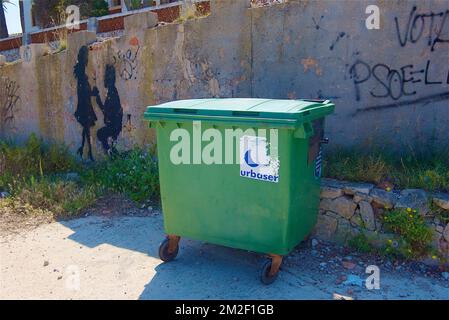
(361, 243)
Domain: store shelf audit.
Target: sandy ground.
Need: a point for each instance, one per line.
(116, 258)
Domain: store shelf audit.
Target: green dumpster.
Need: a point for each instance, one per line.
(243, 173)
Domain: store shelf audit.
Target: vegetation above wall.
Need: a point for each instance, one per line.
(49, 13)
(424, 170)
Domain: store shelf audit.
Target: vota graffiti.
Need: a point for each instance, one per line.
(112, 112)
(84, 114)
(429, 26)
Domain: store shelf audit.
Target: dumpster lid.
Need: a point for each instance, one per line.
(241, 109)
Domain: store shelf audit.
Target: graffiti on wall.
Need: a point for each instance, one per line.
(126, 61)
(428, 26)
(112, 112)
(85, 113)
(393, 82)
(406, 84)
(8, 102)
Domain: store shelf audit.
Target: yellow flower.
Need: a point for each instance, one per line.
(434, 257)
(414, 211)
(388, 189)
(410, 216)
(390, 241)
(409, 209)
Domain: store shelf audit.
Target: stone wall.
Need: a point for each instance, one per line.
(348, 209)
(387, 87)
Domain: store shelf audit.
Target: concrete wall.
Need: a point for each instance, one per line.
(377, 78)
(302, 49)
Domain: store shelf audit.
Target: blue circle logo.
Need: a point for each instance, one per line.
(250, 161)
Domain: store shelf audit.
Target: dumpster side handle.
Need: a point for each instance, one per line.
(304, 131)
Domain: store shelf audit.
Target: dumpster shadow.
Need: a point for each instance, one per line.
(200, 271)
(205, 271)
(141, 234)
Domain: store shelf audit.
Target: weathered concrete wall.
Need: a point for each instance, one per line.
(389, 85)
(311, 49)
(199, 58)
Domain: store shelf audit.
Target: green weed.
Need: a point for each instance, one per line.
(414, 236)
(134, 174)
(361, 243)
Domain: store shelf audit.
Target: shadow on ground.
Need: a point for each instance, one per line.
(201, 271)
(123, 258)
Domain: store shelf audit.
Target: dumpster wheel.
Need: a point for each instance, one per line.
(270, 269)
(168, 250)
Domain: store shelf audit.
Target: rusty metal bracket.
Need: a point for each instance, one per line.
(173, 242)
(276, 261)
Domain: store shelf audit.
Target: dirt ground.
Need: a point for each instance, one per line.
(115, 257)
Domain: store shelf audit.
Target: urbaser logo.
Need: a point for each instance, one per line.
(255, 162)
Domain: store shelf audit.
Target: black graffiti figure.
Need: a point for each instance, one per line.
(112, 112)
(84, 114)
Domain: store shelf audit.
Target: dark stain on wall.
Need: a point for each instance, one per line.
(340, 36)
(112, 112)
(84, 114)
(426, 99)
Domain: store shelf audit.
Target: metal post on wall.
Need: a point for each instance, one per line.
(124, 8)
(28, 17)
(28, 22)
(92, 24)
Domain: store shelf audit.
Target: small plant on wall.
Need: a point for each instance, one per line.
(410, 237)
(414, 236)
(50, 13)
(133, 4)
(99, 8)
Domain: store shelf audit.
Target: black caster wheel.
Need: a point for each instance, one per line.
(265, 277)
(164, 254)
